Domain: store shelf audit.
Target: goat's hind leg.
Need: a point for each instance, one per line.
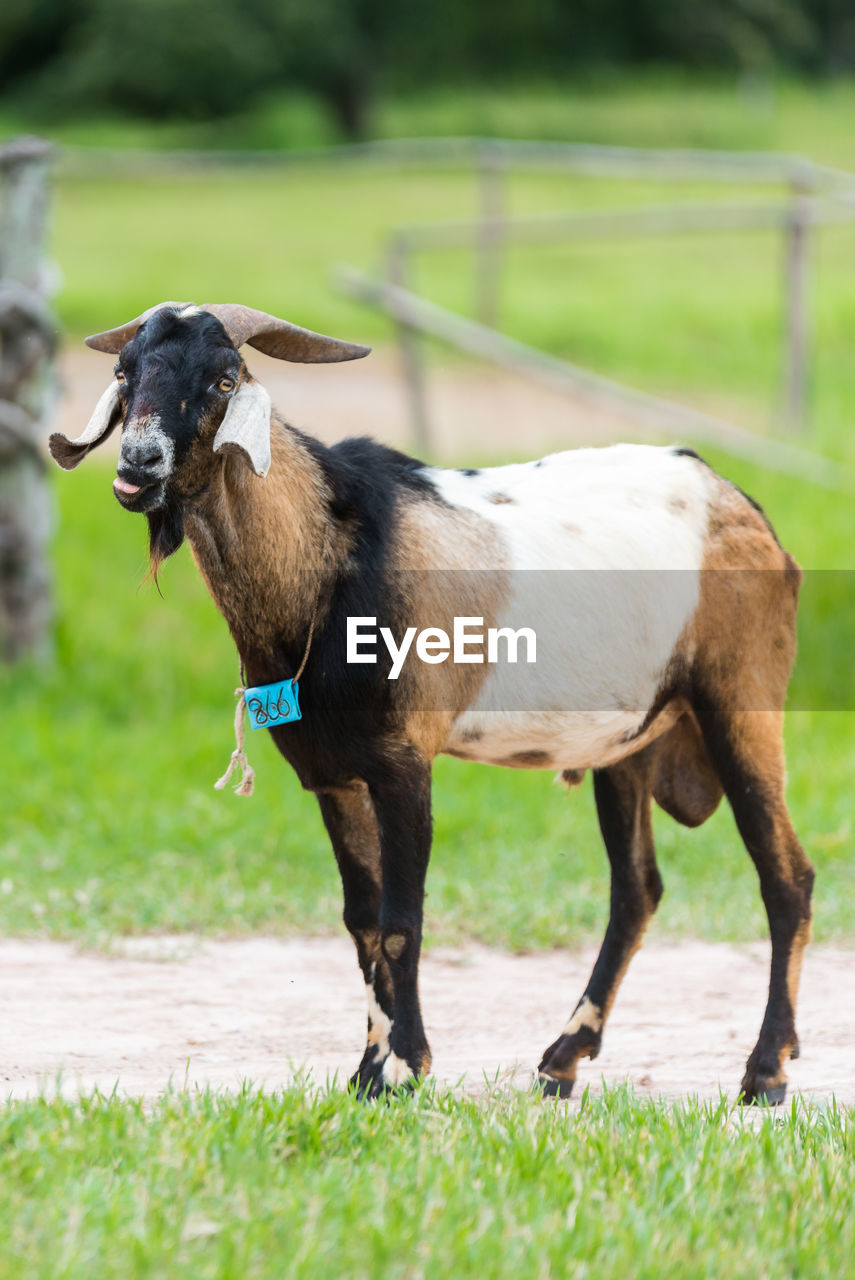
(623, 794)
(350, 820)
(747, 750)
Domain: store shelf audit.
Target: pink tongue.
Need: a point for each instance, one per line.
(124, 487)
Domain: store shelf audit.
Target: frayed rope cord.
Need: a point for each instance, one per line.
(247, 782)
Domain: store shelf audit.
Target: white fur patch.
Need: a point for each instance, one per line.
(606, 547)
(380, 1028)
(190, 311)
(396, 1071)
(588, 1015)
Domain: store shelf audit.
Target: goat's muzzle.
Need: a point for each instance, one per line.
(145, 463)
(137, 491)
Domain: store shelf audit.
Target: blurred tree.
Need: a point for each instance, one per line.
(190, 58)
(32, 34)
(337, 48)
(206, 58)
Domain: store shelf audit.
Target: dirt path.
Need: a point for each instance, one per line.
(219, 1012)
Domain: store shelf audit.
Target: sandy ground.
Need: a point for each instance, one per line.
(219, 1012)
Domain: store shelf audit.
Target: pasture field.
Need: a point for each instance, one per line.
(146, 684)
(694, 316)
(110, 824)
(317, 1186)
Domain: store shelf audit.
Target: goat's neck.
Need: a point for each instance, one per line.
(266, 549)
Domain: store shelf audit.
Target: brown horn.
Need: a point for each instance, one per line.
(113, 340)
(280, 338)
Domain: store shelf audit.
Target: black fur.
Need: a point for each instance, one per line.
(165, 533)
(349, 711)
(683, 451)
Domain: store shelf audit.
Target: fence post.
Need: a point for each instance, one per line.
(797, 304)
(27, 342)
(410, 346)
(491, 207)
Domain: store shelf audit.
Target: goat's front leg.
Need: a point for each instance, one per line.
(401, 796)
(349, 816)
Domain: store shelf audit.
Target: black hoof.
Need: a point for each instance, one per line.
(365, 1078)
(771, 1095)
(382, 1091)
(549, 1087)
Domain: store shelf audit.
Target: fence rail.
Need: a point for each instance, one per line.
(493, 161)
(492, 232)
(656, 417)
(760, 167)
(645, 220)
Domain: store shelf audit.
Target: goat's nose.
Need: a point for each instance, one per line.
(144, 454)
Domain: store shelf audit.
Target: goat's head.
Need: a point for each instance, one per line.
(185, 398)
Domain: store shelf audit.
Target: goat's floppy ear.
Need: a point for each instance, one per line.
(280, 338)
(112, 340)
(246, 426)
(69, 453)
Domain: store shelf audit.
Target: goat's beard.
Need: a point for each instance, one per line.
(165, 535)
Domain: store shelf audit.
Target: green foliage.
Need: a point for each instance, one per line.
(157, 57)
(313, 1184)
(195, 59)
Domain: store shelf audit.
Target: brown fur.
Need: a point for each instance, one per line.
(529, 760)
(685, 784)
(241, 524)
(444, 562)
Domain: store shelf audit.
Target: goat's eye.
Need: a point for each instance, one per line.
(119, 376)
(226, 384)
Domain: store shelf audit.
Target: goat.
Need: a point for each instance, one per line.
(669, 683)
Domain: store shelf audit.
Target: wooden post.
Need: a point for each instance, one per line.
(410, 345)
(27, 341)
(491, 208)
(797, 304)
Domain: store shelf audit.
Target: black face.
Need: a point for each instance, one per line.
(176, 378)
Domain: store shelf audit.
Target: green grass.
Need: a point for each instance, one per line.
(111, 823)
(317, 1185)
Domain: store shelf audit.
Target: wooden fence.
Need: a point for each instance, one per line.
(650, 416)
(28, 335)
(489, 234)
(814, 194)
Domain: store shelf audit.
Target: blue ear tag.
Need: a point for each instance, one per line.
(270, 704)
